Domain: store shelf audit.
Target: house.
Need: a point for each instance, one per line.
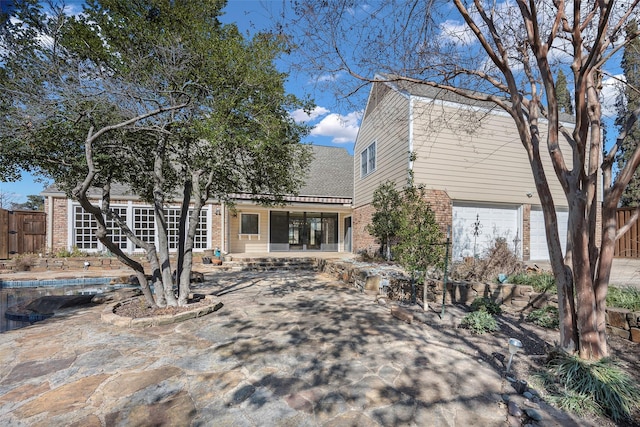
(318, 219)
(469, 158)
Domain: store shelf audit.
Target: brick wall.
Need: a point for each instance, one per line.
(216, 228)
(60, 217)
(363, 242)
(442, 206)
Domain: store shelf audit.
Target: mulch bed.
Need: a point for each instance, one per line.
(138, 308)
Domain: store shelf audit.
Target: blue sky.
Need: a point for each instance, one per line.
(331, 126)
(334, 123)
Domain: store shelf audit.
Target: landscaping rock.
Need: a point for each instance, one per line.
(514, 410)
(617, 317)
(402, 314)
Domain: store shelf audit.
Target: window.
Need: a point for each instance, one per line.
(368, 160)
(115, 232)
(249, 223)
(84, 230)
(144, 224)
(141, 219)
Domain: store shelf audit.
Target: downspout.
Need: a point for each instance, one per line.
(411, 103)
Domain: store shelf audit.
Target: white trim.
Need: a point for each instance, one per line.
(366, 151)
(240, 233)
(411, 117)
(129, 207)
(50, 225)
(70, 224)
(460, 105)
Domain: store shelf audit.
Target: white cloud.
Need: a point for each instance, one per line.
(301, 116)
(457, 33)
(611, 89)
(342, 129)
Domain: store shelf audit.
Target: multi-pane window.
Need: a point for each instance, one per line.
(142, 221)
(200, 238)
(84, 230)
(144, 225)
(249, 223)
(368, 160)
(115, 232)
(173, 222)
(173, 229)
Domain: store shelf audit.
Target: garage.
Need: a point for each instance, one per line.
(538, 243)
(477, 226)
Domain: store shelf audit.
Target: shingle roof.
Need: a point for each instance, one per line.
(330, 175)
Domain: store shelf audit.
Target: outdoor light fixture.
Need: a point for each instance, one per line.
(217, 211)
(514, 347)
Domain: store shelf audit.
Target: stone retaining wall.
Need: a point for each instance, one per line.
(396, 284)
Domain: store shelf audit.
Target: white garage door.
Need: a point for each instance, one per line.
(538, 245)
(476, 227)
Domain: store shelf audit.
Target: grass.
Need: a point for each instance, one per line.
(541, 282)
(589, 387)
(628, 298)
(547, 317)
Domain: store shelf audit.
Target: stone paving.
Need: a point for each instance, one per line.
(286, 349)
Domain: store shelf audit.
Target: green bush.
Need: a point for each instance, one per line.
(541, 282)
(628, 298)
(479, 322)
(486, 304)
(546, 317)
(587, 387)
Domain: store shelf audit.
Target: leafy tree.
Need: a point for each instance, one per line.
(157, 95)
(631, 67)
(562, 93)
(506, 53)
(385, 222)
(420, 238)
(33, 203)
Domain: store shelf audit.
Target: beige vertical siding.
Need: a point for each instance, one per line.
(386, 123)
(474, 155)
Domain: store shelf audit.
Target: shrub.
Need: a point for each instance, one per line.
(479, 322)
(65, 253)
(24, 262)
(628, 298)
(486, 304)
(587, 387)
(541, 282)
(498, 259)
(547, 317)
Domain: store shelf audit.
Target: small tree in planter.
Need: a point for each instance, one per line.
(385, 222)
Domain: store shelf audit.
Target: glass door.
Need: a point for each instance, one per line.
(296, 231)
(314, 230)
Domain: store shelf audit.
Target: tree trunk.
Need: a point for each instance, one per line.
(183, 279)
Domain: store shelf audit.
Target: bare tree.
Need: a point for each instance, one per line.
(7, 199)
(506, 53)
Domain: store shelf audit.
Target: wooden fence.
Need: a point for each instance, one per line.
(628, 246)
(21, 232)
